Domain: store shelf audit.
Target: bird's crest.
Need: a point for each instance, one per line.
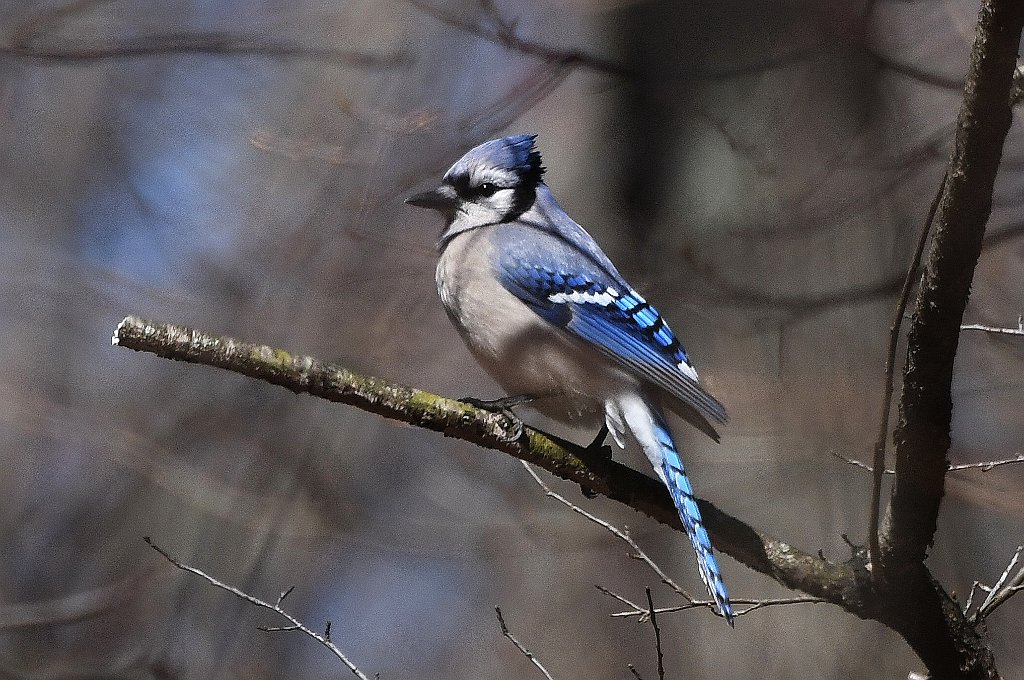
(516, 154)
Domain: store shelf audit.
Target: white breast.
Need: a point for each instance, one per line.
(523, 352)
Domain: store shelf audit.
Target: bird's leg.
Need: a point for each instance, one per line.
(598, 448)
(596, 452)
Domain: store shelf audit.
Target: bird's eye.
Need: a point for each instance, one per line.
(487, 189)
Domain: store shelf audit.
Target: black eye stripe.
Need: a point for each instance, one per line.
(486, 189)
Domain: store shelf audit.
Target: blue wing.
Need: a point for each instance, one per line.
(599, 307)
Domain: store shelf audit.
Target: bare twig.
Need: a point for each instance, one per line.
(975, 587)
(860, 464)
(633, 670)
(296, 625)
(657, 634)
(639, 554)
(1003, 590)
(624, 536)
(527, 653)
(984, 466)
(1019, 330)
(640, 611)
(748, 605)
(874, 549)
(987, 465)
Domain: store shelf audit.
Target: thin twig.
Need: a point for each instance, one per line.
(987, 465)
(527, 653)
(874, 548)
(657, 634)
(752, 605)
(984, 466)
(860, 464)
(633, 670)
(1019, 330)
(623, 600)
(637, 553)
(1002, 590)
(276, 608)
(975, 587)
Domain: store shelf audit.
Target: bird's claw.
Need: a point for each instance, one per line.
(500, 405)
(513, 428)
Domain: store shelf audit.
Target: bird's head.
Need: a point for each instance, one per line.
(493, 183)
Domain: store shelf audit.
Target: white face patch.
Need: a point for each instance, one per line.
(503, 178)
(501, 202)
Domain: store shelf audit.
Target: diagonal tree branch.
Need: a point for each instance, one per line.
(838, 583)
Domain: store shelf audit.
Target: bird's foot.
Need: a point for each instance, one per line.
(514, 426)
(500, 405)
(594, 453)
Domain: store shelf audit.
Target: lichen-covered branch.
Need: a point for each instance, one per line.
(839, 584)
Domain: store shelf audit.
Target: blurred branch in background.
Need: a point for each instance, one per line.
(225, 44)
(499, 30)
(71, 608)
(24, 42)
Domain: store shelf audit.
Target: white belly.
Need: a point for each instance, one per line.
(523, 352)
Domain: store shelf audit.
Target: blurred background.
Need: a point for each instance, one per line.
(760, 171)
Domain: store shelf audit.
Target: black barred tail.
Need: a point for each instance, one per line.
(653, 434)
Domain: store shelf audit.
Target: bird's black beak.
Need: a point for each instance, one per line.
(443, 199)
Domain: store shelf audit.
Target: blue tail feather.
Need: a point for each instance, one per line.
(682, 496)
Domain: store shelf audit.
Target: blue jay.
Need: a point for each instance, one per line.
(546, 313)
